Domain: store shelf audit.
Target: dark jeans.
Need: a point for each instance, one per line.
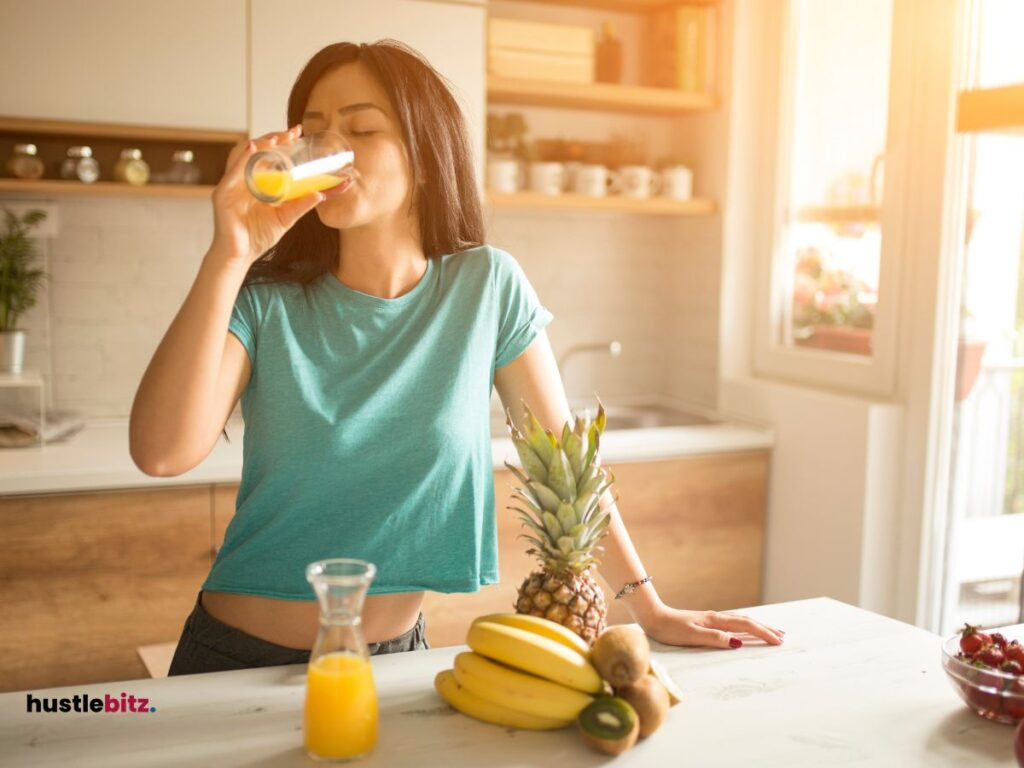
(209, 645)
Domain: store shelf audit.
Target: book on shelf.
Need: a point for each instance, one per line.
(681, 48)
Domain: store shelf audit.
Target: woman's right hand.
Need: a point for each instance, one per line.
(245, 228)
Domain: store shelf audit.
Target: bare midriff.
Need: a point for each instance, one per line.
(293, 623)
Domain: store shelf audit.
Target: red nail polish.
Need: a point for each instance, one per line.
(735, 642)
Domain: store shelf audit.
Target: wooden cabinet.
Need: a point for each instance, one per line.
(697, 523)
(86, 578)
(177, 64)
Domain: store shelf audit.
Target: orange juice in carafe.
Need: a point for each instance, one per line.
(340, 721)
(341, 707)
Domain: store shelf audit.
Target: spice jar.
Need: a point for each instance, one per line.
(80, 165)
(183, 168)
(24, 163)
(131, 167)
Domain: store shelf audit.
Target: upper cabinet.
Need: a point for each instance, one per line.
(180, 64)
(286, 35)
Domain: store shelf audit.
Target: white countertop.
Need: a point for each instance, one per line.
(97, 457)
(848, 687)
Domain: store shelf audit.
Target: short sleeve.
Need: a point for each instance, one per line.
(520, 314)
(243, 322)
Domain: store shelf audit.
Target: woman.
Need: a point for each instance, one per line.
(363, 328)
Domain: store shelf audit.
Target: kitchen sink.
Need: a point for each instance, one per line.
(625, 417)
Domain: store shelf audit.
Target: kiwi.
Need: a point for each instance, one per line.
(609, 724)
(621, 655)
(675, 695)
(650, 700)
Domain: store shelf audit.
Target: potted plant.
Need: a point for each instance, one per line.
(20, 280)
(832, 309)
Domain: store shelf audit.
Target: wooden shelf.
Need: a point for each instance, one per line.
(53, 137)
(56, 188)
(991, 109)
(656, 206)
(598, 96)
(629, 6)
(839, 214)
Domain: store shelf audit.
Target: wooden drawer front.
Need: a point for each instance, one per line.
(85, 578)
(698, 524)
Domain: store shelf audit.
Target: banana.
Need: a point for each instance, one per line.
(518, 690)
(532, 653)
(481, 709)
(675, 695)
(543, 627)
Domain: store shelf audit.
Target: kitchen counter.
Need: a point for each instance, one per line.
(848, 687)
(97, 458)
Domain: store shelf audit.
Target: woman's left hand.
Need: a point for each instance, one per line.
(715, 629)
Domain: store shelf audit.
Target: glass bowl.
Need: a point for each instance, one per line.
(993, 694)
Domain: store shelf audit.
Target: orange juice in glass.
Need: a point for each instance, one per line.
(308, 164)
(340, 721)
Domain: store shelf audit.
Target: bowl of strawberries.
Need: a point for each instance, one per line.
(987, 670)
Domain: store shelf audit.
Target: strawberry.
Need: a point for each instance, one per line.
(1013, 667)
(991, 655)
(971, 640)
(1015, 652)
(1013, 699)
(999, 640)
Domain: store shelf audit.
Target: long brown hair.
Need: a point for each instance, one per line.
(440, 155)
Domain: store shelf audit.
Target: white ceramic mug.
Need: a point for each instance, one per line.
(571, 169)
(677, 182)
(596, 181)
(503, 175)
(547, 178)
(639, 181)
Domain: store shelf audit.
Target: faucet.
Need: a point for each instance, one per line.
(613, 348)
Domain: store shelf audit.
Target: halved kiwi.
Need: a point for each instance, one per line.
(609, 724)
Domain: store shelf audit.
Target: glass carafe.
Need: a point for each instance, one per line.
(341, 698)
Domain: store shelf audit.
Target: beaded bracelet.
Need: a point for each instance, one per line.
(631, 587)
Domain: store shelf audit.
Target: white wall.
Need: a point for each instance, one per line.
(832, 522)
(119, 271)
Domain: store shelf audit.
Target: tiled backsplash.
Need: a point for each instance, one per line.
(120, 269)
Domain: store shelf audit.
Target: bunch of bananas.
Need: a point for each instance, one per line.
(523, 672)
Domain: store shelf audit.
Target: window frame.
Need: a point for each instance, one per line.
(873, 375)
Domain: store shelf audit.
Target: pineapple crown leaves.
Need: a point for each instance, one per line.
(20, 280)
(562, 482)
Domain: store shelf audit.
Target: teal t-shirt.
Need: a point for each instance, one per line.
(367, 427)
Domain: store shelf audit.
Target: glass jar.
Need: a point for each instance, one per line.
(80, 165)
(24, 162)
(340, 718)
(183, 168)
(131, 168)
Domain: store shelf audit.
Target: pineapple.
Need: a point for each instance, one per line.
(562, 481)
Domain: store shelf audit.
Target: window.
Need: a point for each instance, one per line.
(825, 318)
